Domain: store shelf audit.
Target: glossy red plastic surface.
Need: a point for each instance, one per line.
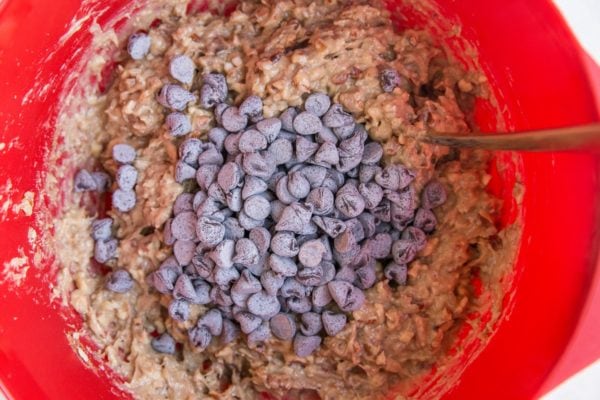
(535, 68)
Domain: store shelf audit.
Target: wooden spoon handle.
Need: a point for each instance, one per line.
(581, 137)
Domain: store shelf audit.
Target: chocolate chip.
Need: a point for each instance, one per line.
(433, 195)
(230, 332)
(230, 176)
(218, 111)
(261, 165)
(105, 250)
(283, 326)
(183, 226)
(217, 136)
(260, 334)
(326, 135)
(292, 288)
(138, 45)
(315, 174)
(257, 207)
(251, 106)
(284, 266)
(178, 124)
(263, 305)
(246, 252)
(333, 323)
(202, 292)
(304, 346)
(336, 117)
(163, 344)
(307, 123)
(311, 323)
(317, 104)
(344, 132)
(225, 276)
(207, 208)
(299, 305)
(102, 229)
(247, 284)
(209, 231)
(183, 203)
(331, 226)
(252, 186)
(184, 172)
(190, 150)
(389, 79)
(349, 201)
(369, 224)
(396, 272)
(123, 153)
(327, 154)
(210, 155)
(182, 68)
(184, 289)
(383, 211)
(84, 181)
(213, 91)
(297, 185)
(321, 296)
(261, 239)
(247, 222)
(179, 310)
(372, 194)
(353, 146)
(270, 128)
(328, 255)
(287, 119)
(348, 297)
(277, 208)
(175, 97)
(119, 281)
(281, 151)
(102, 181)
(322, 200)
(200, 337)
(310, 276)
(346, 274)
(372, 153)
(294, 218)
(238, 298)
(184, 251)
(248, 321)
(223, 253)
(203, 265)
(213, 321)
(233, 120)
(394, 177)
(232, 143)
(404, 251)
(425, 220)
(366, 277)
(311, 253)
(271, 281)
(282, 192)
(220, 297)
(347, 258)
(367, 173)
(305, 148)
(252, 141)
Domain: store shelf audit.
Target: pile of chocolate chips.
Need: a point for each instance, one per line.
(281, 231)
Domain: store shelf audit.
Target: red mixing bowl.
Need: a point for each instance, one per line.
(539, 77)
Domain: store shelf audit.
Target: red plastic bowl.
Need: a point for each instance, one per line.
(535, 67)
